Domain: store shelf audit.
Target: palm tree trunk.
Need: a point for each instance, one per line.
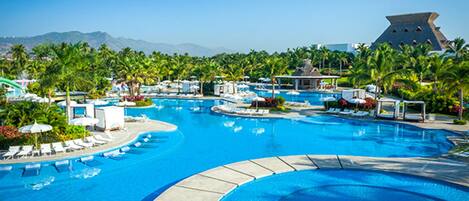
(340, 69)
(68, 106)
(49, 96)
(273, 86)
(201, 87)
(461, 100)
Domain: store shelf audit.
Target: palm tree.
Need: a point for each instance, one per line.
(456, 79)
(459, 48)
(324, 56)
(275, 66)
(20, 57)
(438, 65)
(342, 57)
(68, 69)
(380, 66)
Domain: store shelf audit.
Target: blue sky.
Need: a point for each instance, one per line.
(272, 25)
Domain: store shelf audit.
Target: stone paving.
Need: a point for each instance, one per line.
(122, 137)
(215, 183)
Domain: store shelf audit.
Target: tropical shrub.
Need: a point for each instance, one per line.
(460, 122)
(9, 132)
(73, 132)
(9, 135)
(269, 102)
(280, 100)
(144, 102)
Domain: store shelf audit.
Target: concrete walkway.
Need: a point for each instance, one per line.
(122, 137)
(215, 183)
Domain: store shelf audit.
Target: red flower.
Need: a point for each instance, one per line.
(9, 132)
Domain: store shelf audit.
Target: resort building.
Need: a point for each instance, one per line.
(307, 77)
(413, 29)
(342, 47)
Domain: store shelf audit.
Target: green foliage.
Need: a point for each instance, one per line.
(435, 102)
(280, 100)
(73, 132)
(143, 103)
(460, 122)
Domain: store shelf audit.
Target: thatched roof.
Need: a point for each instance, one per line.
(413, 29)
(306, 70)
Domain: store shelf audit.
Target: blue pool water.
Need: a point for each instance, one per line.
(314, 98)
(348, 185)
(206, 140)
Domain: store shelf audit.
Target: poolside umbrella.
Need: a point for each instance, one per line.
(327, 100)
(99, 102)
(357, 101)
(34, 129)
(126, 103)
(64, 103)
(243, 86)
(293, 93)
(257, 99)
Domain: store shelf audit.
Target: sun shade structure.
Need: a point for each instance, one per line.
(413, 117)
(85, 121)
(308, 77)
(34, 129)
(413, 29)
(395, 109)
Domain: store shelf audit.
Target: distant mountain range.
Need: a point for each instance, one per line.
(95, 39)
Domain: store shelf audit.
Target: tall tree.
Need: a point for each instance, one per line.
(456, 79)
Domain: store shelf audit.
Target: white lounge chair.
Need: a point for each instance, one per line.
(114, 153)
(25, 151)
(12, 151)
(346, 112)
(360, 114)
(46, 149)
(58, 147)
(83, 144)
(70, 145)
(93, 141)
(101, 138)
(331, 110)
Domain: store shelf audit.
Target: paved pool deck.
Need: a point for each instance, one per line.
(121, 138)
(214, 184)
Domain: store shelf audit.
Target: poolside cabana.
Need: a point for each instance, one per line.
(308, 77)
(381, 105)
(412, 116)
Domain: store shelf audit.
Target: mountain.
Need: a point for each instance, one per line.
(95, 39)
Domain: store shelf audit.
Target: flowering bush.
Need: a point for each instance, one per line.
(269, 102)
(134, 98)
(343, 102)
(370, 103)
(9, 132)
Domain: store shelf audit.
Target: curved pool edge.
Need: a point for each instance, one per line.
(133, 132)
(215, 183)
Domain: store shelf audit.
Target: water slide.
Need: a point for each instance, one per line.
(10, 83)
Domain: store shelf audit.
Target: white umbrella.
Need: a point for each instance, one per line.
(64, 103)
(126, 103)
(293, 93)
(99, 102)
(357, 101)
(85, 121)
(257, 99)
(243, 86)
(328, 99)
(35, 128)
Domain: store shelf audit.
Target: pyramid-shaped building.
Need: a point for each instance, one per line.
(413, 29)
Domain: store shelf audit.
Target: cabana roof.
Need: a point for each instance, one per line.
(414, 102)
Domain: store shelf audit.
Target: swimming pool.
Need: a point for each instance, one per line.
(205, 140)
(346, 185)
(314, 98)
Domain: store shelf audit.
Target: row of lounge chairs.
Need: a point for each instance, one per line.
(348, 112)
(33, 169)
(57, 147)
(241, 111)
(298, 104)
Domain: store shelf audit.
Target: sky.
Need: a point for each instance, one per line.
(241, 25)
